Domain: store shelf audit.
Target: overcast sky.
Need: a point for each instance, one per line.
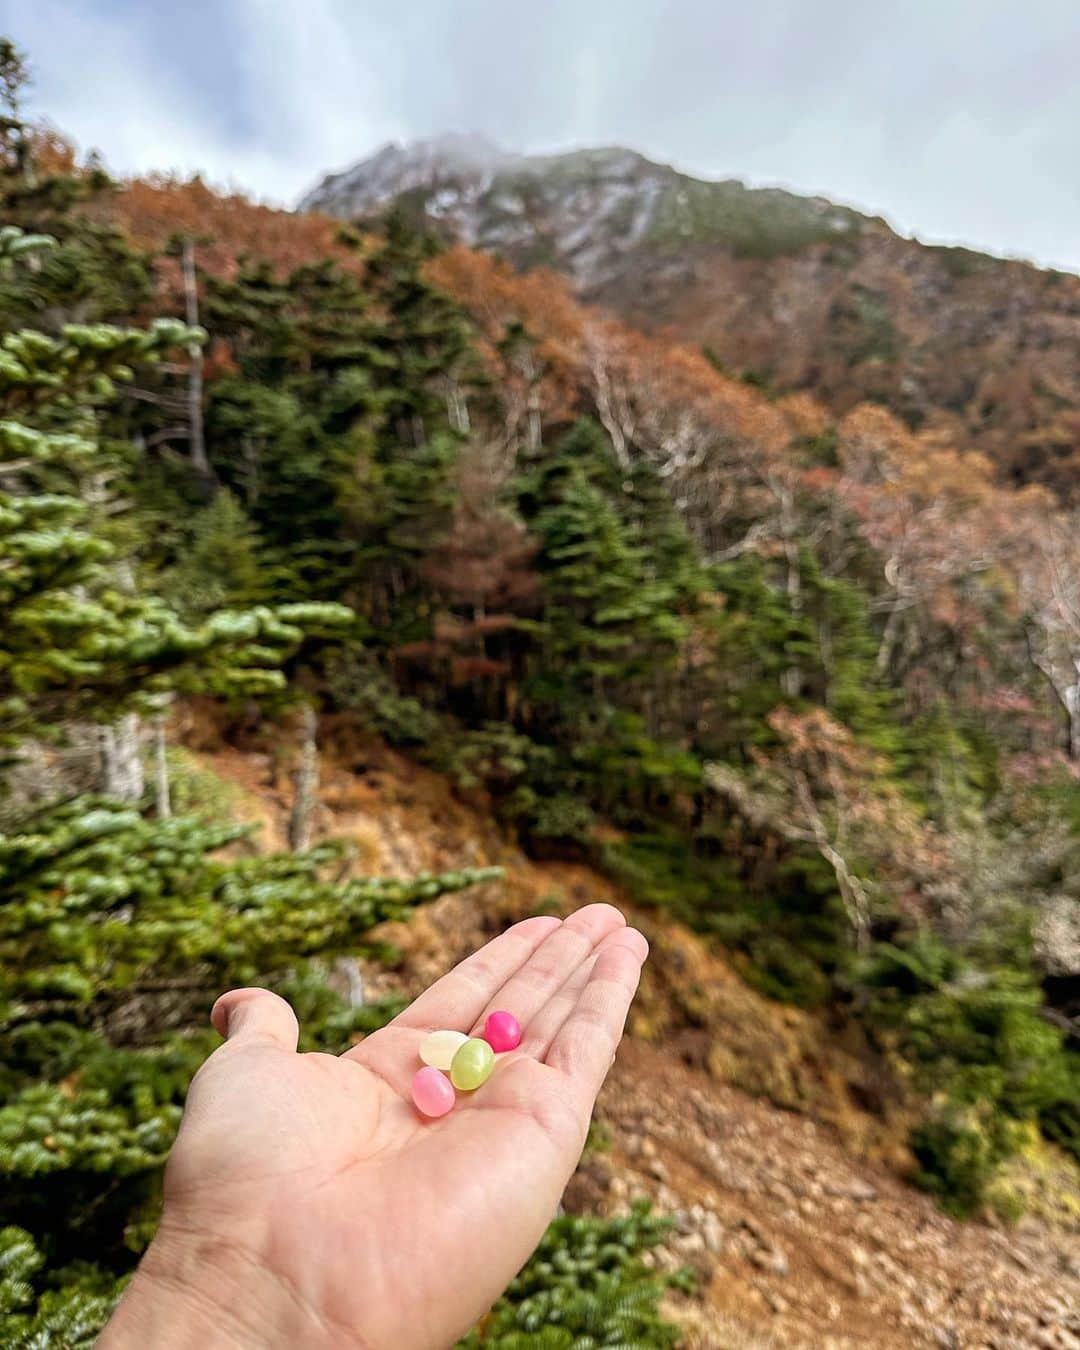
(959, 120)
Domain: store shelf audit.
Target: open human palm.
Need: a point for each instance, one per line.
(307, 1203)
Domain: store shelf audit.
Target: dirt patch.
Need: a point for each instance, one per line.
(796, 1240)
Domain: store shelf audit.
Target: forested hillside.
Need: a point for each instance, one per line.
(808, 682)
(790, 293)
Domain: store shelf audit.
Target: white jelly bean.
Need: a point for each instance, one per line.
(438, 1048)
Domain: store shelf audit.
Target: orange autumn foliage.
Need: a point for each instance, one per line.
(153, 211)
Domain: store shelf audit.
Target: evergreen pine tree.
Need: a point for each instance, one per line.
(289, 431)
(612, 600)
(115, 931)
(423, 336)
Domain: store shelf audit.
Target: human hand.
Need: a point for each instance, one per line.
(307, 1204)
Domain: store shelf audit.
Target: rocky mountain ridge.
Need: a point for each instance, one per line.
(583, 211)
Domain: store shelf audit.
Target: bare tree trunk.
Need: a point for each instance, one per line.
(251, 466)
(457, 407)
(1065, 683)
(888, 641)
(195, 368)
(605, 410)
(535, 431)
(1071, 699)
(852, 891)
(162, 797)
(349, 968)
(853, 895)
(792, 679)
(307, 783)
(759, 811)
(121, 760)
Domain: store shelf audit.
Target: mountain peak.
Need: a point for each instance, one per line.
(583, 211)
(395, 169)
(451, 151)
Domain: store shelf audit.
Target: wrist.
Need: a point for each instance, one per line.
(195, 1288)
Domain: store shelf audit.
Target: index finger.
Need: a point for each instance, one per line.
(457, 999)
(584, 1048)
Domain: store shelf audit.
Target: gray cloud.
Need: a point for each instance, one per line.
(957, 119)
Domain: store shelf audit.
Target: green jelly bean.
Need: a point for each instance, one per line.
(472, 1065)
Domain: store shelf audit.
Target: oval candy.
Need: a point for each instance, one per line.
(438, 1048)
(432, 1092)
(472, 1065)
(502, 1031)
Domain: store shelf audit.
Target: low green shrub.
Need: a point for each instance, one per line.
(585, 1287)
(980, 1046)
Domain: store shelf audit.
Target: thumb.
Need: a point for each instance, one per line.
(256, 1015)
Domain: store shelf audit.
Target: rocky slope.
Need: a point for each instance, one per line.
(793, 292)
(753, 1125)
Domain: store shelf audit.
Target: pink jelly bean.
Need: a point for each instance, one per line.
(502, 1031)
(432, 1092)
